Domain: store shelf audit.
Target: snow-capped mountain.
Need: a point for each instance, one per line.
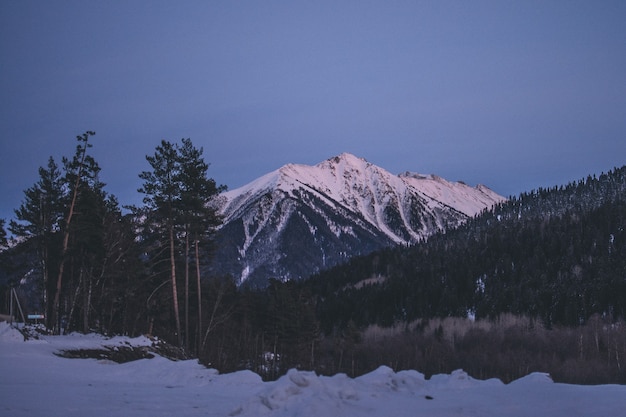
(299, 219)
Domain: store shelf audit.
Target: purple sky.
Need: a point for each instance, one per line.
(514, 95)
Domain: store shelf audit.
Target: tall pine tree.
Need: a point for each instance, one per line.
(162, 197)
(77, 169)
(39, 217)
(199, 217)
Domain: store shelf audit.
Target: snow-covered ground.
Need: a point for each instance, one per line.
(35, 382)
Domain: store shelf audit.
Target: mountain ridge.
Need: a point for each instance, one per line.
(343, 204)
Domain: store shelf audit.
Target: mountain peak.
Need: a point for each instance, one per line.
(346, 161)
(299, 219)
(347, 157)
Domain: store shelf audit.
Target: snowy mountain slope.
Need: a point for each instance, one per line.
(300, 219)
(36, 382)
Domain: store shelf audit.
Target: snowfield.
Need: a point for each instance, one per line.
(36, 382)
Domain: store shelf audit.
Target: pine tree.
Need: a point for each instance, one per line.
(120, 279)
(199, 217)
(177, 199)
(3, 234)
(162, 197)
(80, 167)
(39, 217)
(86, 251)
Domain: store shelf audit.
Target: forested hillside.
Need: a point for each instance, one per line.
(558, 255)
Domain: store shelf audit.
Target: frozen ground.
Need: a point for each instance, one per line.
(35, 382)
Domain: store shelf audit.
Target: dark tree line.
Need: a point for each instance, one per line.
(86, 265)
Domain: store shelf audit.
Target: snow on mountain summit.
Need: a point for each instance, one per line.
(347, 179)
(341, 207)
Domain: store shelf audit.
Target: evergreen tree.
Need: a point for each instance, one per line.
(39, 217)
(65, 216)
(178, 206)
(162, 191)
(41, 211)
(121, 291)
(81, 167)
(85, 253)
(199, 217)
(3, 234)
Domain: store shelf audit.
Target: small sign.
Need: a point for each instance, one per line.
(35, 317)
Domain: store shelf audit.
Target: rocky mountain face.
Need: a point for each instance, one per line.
(299, 219)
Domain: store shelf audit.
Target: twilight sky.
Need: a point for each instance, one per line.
(514, 95)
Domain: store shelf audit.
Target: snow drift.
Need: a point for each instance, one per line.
(36, 382)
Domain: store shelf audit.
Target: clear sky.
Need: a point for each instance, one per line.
(511, 94)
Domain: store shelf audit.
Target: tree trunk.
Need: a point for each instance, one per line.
(46, 286)
(199, 289)
(187, 288)
(87, 301)
(174, 289)
(75, 299)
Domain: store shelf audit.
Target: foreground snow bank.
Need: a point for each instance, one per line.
(36, 382)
